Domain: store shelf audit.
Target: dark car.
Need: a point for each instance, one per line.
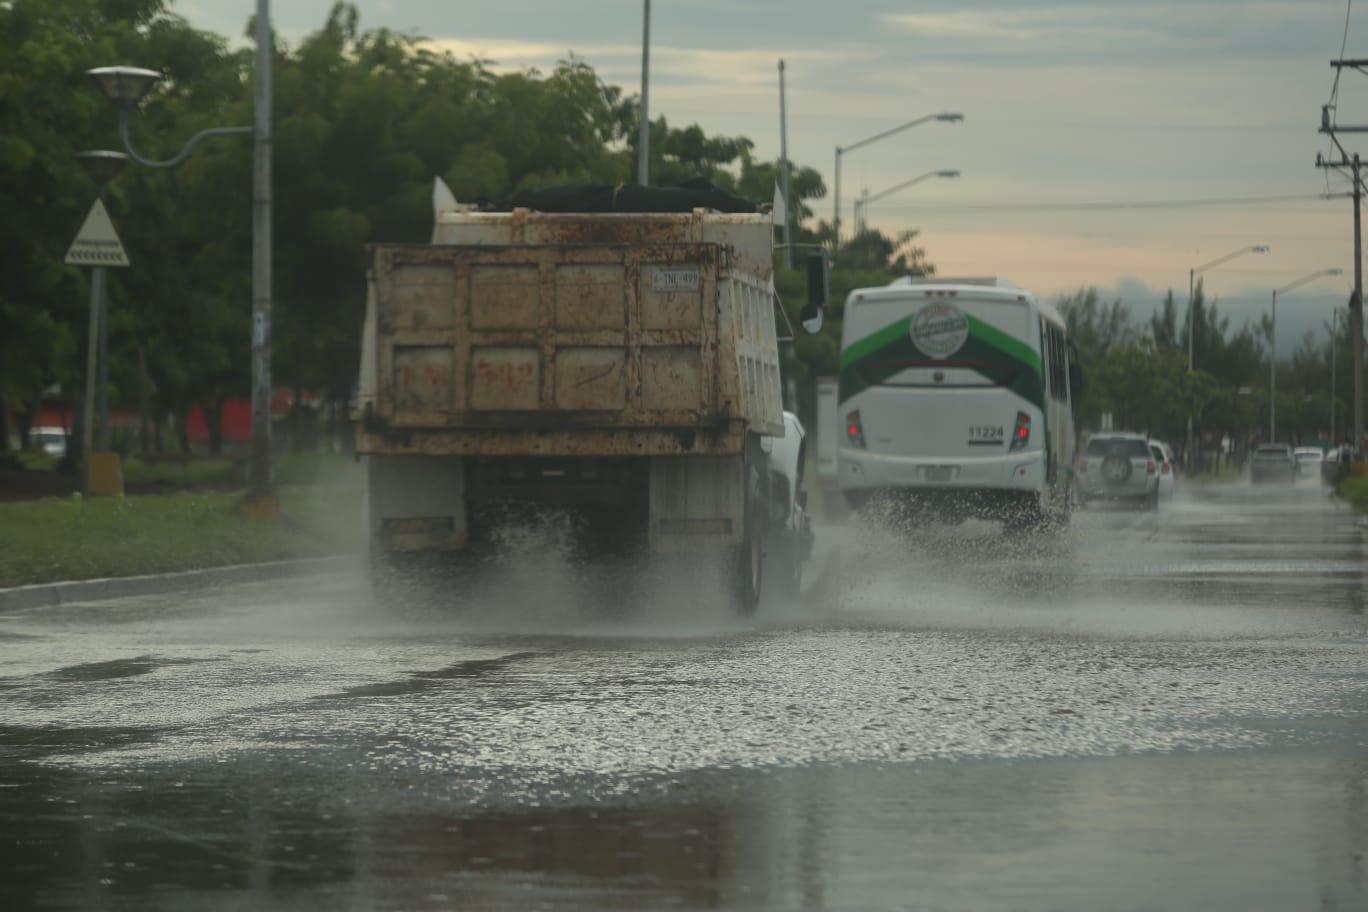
(1273, 462)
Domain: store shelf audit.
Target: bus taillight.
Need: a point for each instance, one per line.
(1021, 434)
(854, 432)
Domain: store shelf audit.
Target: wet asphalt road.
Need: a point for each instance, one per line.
(1152, 712)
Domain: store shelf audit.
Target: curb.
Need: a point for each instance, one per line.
(52, 595)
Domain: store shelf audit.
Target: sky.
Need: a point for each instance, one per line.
(1068, 104)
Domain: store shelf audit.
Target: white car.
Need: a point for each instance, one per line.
(788, 537)
(1309, 461)
(51, 440)
(1118, 466)
(1167, 477)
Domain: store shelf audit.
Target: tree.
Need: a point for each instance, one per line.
(363, 121)
(52, 111)
(1164, 323)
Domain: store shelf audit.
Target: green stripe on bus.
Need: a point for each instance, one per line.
(1008, 343)
(874, 341)
(985, 342)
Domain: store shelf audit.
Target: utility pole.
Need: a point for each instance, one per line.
(1356, 299)
(1356, 312)
(1351, 163)
(644, 136)
(259, 488)
(784, 170)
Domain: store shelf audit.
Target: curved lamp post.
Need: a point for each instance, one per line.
(862, 204)
(944, 117)
(1193, 273)
(126, 87)
(1273, 349)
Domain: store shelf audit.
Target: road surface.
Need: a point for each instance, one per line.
(1153, 711)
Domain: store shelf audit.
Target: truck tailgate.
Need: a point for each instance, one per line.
(547, 336)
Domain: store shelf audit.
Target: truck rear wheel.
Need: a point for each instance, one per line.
(748, 561)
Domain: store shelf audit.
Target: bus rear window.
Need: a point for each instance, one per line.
(1129, 449)
(949, 374)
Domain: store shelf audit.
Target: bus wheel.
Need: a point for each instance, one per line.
(1026, 516)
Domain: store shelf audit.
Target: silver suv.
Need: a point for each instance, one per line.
(1118, 467)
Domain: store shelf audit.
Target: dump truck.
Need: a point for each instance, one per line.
(623, 365)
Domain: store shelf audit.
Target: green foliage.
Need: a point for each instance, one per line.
(363, 121)
(1353, 490)
(76, 538)
(1140, 375)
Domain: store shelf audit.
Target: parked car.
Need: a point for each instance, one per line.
(1164, 456)
(1273, 462)
(1119, 466)
(1309, 460)
(51, 440)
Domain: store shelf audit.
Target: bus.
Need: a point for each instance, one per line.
(956, 399)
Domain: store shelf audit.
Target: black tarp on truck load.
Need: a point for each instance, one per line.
(627, 198)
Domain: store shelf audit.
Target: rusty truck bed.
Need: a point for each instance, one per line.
(566, 349)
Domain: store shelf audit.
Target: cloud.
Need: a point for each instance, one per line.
(694, 66)
(1099, 30)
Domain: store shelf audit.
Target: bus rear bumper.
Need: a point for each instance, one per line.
(864, 471)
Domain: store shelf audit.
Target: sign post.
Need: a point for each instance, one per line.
(97, 245)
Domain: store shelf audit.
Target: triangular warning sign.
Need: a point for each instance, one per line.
(96, 243)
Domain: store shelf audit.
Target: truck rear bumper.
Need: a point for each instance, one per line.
(725, 440)
(670, 504)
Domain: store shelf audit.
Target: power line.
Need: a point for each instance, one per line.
(1114, 204)
(1118, 126)
(1344, 42)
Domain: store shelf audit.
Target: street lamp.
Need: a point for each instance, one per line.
(101, 166)
(1193, 273)
(944, 117)
(866, 198)
(126, 87)
(1273, 348)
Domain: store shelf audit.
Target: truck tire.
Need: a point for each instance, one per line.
(748, 561)
(784, 575)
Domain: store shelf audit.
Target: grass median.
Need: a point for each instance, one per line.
(1353, 490)
(78, 538)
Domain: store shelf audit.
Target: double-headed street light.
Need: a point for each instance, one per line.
(1273, 348)
(1193, 273)
(944, 117)
(126, 87)
(862, 204)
